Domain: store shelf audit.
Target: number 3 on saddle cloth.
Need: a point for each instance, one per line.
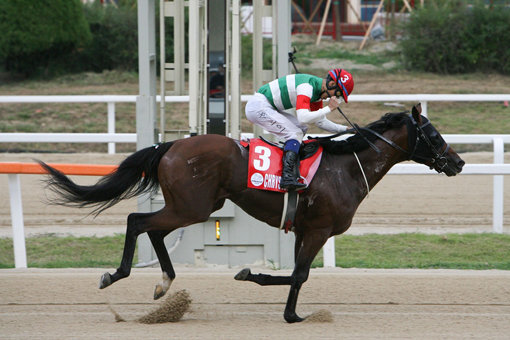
(265, 164)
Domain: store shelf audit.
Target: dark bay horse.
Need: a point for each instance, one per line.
(197, 174)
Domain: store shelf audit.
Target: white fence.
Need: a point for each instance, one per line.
(497, 169)
(111, 137)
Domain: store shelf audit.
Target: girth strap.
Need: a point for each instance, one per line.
(290, 202)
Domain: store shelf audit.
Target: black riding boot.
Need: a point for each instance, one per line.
(290, 172)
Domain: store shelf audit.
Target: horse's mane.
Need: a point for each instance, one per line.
(357, 143)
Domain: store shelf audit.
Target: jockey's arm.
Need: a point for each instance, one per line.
(326, 124)
(304, 110)
(314, 113)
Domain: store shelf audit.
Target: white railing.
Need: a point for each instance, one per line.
(111, 137)
(425, 98)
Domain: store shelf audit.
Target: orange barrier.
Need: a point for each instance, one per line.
(68, 169)
(13, 169)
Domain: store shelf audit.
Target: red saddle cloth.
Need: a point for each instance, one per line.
(265, 166)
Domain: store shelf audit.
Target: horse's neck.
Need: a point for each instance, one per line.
(376, 165)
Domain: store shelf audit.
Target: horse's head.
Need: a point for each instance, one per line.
(428, 147)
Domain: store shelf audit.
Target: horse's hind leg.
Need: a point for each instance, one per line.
(157, 240)
(136, 224)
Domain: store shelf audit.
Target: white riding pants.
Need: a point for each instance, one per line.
(284, 125)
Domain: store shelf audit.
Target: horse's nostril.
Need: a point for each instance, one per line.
(461, 163)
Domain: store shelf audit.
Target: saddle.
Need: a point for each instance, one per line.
(265, 163)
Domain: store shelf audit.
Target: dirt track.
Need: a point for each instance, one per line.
(366, 304)
(57, 304)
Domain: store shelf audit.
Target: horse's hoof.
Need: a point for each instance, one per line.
(243, 274)
(158, 292)
(162, 288)
(105, 280)
(291, 318)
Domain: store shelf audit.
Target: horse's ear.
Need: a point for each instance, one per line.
(417, 112)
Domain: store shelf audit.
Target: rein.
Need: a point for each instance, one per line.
(384, 139)
(357, 129)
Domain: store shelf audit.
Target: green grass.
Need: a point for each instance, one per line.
(50, 251)
(451, 251)
(463, 118)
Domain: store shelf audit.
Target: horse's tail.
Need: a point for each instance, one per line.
(135, 175)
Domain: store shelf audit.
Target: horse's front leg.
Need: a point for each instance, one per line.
(311, 245)
(262, 279)
(306, 248)
(270, 280)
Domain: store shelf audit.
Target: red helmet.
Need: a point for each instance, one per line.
(343, 81)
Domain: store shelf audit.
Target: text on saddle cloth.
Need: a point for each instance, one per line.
(265, 166)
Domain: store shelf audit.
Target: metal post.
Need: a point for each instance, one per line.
(235, 72)
(162, 78)
(146, 100)
(203, 66)
(497, 205)
(282, 39)
(18, 229)
(260, 75)
(424, 108)
(328, 252)
(194, 60)
(283, 33)
(111, 125)
(228, 63)
(257, 45)
(179, 45)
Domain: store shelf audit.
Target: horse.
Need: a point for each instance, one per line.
(198, 174)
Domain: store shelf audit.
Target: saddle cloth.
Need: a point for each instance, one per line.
(265, 165)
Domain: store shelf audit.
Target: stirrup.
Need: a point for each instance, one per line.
(294, 185)
(305, 182)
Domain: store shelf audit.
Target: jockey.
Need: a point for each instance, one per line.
(305, 93)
